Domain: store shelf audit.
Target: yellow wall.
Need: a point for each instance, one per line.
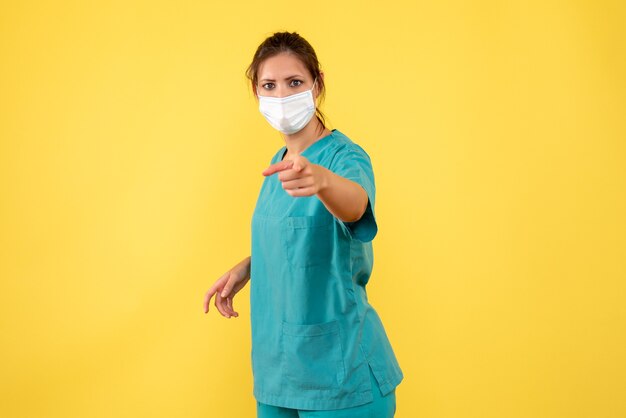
(131, 158)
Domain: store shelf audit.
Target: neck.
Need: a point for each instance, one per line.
(298, 142)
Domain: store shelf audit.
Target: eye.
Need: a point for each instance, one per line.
(268, 86)
(295, 83)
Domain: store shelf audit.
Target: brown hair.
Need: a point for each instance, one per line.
(295, 44)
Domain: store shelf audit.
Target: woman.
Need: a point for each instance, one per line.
(319, 349)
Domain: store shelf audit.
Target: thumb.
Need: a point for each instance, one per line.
(228, 286)
(299, 163)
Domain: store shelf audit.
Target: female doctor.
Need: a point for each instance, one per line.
(319, 348)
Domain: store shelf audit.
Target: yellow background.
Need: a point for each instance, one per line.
(131, 158)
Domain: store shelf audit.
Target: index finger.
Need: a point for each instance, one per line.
(207, 298)
(275, 168)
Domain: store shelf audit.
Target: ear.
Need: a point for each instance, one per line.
(317, 86)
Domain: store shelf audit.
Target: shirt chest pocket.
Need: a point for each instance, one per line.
(308, 240)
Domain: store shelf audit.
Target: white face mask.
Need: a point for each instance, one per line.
(288, 114)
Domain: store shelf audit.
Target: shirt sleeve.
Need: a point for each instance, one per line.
(354, 164)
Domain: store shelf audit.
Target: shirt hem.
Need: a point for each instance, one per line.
(321, 403)
(389, 385)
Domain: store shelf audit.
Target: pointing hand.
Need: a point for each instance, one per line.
(299, 176)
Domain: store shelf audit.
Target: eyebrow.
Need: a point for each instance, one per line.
(286, 78)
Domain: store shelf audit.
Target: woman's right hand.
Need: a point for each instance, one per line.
(226, 287)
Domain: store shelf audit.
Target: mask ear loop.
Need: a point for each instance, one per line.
(313, 88)
(315, 100)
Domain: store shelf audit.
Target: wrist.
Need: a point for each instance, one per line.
(245, 265)
(325, 179)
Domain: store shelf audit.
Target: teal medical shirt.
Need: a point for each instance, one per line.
(314, 334)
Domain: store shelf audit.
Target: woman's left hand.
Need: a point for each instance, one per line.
(299, 176)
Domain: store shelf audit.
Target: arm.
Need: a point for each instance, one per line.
(344, 198)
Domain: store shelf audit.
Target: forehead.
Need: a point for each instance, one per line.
(281, 66)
